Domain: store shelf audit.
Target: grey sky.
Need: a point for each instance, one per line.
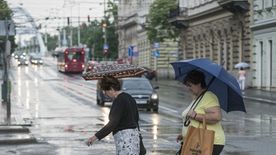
(58, 10)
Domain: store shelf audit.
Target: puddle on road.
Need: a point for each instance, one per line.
(160, 152)
(251, 125)
(236, 153)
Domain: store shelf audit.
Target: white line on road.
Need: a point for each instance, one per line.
(168, 109)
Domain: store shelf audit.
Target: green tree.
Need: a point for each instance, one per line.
(112, 36)
(92, 34)
(6, 13)
(52, 42)
(157, 26)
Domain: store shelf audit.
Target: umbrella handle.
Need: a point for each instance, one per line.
(187, 121)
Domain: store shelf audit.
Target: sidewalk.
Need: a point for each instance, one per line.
(249, 94)
(14, 131)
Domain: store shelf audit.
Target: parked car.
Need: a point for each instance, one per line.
(142, 91)
(150, 74)
(101, 97)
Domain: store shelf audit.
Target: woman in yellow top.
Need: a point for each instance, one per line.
(207, 106)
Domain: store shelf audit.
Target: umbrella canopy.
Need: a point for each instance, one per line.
(218, 80)
(116, 70)
(242, 65)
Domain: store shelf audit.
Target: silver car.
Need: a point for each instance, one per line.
(142, 91)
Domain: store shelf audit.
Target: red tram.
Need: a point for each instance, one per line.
(71, 60)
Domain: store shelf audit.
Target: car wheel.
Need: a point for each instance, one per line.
(155, 110)
(100, 102)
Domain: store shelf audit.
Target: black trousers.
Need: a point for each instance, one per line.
(217, 149)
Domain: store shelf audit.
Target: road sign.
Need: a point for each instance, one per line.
(106, 47)
(130, 51)
(156, 45)
(156, 53)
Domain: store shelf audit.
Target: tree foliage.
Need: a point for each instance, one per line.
(92, 34)
(157, 26)
(6, 13)
(52, 42)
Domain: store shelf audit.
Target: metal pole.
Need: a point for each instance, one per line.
(79, 27)
(71, 29)
(6, 75)
(104, 29)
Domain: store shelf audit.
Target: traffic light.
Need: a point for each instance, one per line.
(68, 21)
(88, 19)
(104, 25)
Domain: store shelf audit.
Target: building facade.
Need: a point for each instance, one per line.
(215, 29)
(131, 31)
(264, 44)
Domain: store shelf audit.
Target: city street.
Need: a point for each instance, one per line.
(63, 112)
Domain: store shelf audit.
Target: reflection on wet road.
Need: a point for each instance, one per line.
(64, 113)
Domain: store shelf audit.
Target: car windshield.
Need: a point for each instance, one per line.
(37, 58)
(134, 84)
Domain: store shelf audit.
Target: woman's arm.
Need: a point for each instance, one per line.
(212, 115)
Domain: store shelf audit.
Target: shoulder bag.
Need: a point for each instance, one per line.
(143, 150)
(198, 141)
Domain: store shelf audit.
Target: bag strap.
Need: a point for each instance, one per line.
(204, 122)
(138, 126)
(194, 105)
(137, 121)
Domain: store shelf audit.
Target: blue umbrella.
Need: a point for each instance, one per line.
(218, 80)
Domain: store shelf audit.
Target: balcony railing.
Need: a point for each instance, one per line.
(235, 6)
(178, 18)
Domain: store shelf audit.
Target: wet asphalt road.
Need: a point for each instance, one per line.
(63, 110)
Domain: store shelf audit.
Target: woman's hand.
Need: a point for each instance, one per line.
(91, 140)
(212, 115)
(192, 114)
(179, 138)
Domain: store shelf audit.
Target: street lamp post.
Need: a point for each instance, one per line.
(104, 31)
(79, 26)
(6, 86)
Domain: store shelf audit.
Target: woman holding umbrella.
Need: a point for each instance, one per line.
(206, 105)
(241, 78)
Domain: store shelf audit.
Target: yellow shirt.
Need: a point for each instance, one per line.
(210, 100)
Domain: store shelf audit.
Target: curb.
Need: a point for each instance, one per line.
(259, 99)
(13, 129)
(9, 139)
(268, 101)
(11, 135)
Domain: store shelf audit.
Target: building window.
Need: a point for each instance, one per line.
(271, 54)
(261, 47)
(267, 3)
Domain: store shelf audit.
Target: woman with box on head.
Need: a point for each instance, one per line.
(123, 119)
